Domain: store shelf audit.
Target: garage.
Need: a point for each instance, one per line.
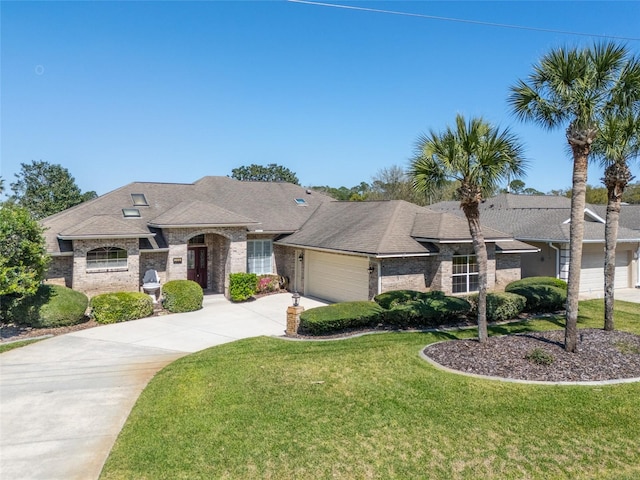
(338, 278)
(592, 268)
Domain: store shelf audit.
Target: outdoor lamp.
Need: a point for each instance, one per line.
(296, 299)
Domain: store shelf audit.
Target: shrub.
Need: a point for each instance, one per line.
(120, 307)
(525, 282)
(398, 297)
(242, 286)
(542, 298)
(539, 357)
(410, 308)
(268, 284)
(339, 317)
(182, 296)
(500, 306)
(51, 306)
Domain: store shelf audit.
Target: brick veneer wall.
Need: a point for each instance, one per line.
(410, 273)
(93, 282)
(507, 269)
(60, 271)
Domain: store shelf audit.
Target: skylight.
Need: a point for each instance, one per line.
(130, 212)
(139, 200)
(301, 201)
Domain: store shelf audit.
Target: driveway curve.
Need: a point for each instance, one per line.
(64, 400)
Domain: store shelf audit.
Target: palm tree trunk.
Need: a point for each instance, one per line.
(617, 176)
(576, 235)
(480, 249)
(610, 239)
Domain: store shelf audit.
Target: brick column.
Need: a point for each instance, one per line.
(293, 319)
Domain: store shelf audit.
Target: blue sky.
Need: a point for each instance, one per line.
(172, 91)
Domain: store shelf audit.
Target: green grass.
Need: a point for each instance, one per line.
(5, 347)
(369, 407)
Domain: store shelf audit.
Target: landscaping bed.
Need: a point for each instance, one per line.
(540, 356)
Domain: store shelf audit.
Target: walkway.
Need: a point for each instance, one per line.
(64, 400)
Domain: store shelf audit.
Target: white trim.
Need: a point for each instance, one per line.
(590, 213)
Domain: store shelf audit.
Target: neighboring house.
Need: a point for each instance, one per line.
(543, 221)
(217, 226)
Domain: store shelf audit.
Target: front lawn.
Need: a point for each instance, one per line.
(369, 407)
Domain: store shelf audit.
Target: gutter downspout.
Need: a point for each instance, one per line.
(557, 259)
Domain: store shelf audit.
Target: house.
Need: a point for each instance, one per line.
(543, 221)
(206, 230)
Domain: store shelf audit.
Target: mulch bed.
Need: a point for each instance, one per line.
(600, 356)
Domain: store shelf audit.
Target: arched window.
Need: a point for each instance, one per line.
(107, 257)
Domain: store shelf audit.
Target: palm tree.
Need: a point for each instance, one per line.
(575, 87)
(479, 157)
(617, 144)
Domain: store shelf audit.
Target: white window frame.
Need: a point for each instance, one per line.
(470, 270)
(107, 259)
(260, 256)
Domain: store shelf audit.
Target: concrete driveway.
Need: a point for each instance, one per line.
(64, 400)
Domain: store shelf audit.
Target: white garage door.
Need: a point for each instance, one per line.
(592, 271)
(338, 278)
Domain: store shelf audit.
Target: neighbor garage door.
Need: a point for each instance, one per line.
(338, 278)
(592, 271)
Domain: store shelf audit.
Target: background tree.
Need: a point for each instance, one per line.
(617, 144)
(632, 194)
(260, 173)
(1, 185)
(44, 189)
(575, 87)
(23, 255)
(479, 157)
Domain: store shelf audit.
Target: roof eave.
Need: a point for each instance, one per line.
(106, 236)
(201, 225)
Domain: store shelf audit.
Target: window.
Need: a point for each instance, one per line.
(107, 257)
(465, 274)
(139, 200)
(197, 240)
(301, 202)
(130, 212)
(259, 256)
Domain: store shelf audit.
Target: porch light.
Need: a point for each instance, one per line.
(301, 257)
(370, 268)
(296, 299)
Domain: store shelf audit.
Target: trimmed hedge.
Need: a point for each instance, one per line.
(428, 312)
(120, 307)
(398, 297)
(242, 286)
(340, 316)
(501, 306)
(51, 306)
(525, 282)
(542, 298)
(182, 296)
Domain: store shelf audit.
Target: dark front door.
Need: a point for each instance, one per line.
(197, 265)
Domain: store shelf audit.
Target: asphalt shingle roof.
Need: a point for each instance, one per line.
(545, 218)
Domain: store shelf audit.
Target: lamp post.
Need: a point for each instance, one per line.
(293, 315)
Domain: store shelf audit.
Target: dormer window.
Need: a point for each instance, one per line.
(130, 212)
(301, 202)
(139, 200)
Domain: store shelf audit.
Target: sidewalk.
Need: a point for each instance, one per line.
(64, 400)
